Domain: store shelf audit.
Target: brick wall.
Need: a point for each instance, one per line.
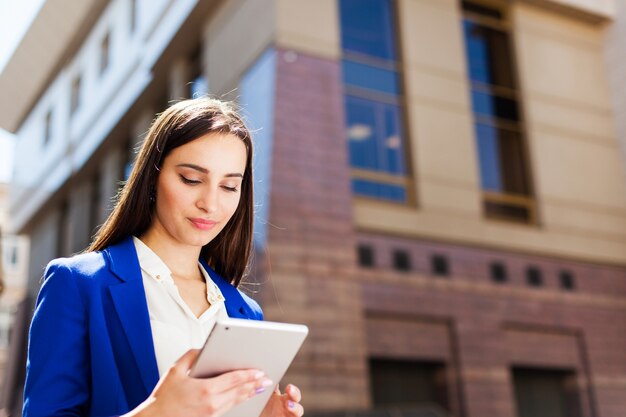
(310, 262)
(496, 326)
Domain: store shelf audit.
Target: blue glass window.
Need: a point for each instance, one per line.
(488, 55)
(369, 77)
(374, 135)
(373, 114)
(498, 128)
(367, 28)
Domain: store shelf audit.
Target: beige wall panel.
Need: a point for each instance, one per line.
(616, 64)
(443, 146)
(601, 8)
(558, 65)
(309, 26)
(579, 171)
(437, 87)
(431, 35)
(405, 221)
(563, 216)
(450, 198)
(554, 24)
(231, 50)
(577, 122)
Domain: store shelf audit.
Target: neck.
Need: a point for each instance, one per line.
(181, 259)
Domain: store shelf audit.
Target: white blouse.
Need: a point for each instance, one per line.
(175, 329)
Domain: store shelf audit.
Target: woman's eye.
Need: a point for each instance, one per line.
(231, 189)
(188, 181)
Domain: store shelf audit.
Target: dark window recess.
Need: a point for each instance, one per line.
(401, 260)
(567, 280)
(410, 385)
(546, 393)
(47, 128)
(482, 10)
(133, 15)
(498, 272)
(105, 53)
(534, 277)
(440, 265)
(75, 94)
(366, 256)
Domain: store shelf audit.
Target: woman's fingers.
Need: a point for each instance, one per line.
(238, 393)
(294, 408)
(234, 379)
(293, 393)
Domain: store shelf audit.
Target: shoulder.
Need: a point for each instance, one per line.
(79, 270)
(85, 264)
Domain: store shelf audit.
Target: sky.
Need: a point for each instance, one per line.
(15, 16)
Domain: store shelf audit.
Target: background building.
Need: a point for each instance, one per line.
(442, 196)
(13, 272)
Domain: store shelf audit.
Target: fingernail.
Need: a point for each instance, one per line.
(266, 383)
(259, 390)
(291, 404)
(259, 375)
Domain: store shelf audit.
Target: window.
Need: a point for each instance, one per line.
(198, 84)
(534, 277)
(498, 272)
(133, 15)
(566, 279)
(401, 260)
(546, 393)
(365, 255)
(408, 384)
(47, 130)
(6, 318)
(13, 256)
(497, 119)
(75, 94)
(373, 100)
(439, 265)
(105, 52)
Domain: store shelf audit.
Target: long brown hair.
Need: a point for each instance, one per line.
(228, 253)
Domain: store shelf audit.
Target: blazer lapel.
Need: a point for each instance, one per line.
(129, 299)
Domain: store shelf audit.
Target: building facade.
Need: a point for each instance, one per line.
(13, 271)
(441, 192)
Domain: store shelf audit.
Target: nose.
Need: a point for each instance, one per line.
(208, 200)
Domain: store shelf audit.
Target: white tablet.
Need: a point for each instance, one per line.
(249, 344)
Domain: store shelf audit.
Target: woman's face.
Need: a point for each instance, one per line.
(198, 189)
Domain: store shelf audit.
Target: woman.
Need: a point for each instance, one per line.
(112, 325)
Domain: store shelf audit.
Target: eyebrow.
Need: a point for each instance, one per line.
(206, 171)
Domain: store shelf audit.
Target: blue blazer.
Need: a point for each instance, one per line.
(90, 350)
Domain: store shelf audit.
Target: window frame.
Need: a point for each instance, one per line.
(407, 180)
(505, 199)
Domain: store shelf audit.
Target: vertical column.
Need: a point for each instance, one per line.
(110, 171)
(79, 209)
(311, 238)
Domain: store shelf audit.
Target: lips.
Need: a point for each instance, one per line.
(203, 224)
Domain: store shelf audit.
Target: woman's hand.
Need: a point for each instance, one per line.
(178, 394)
(284, 405)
